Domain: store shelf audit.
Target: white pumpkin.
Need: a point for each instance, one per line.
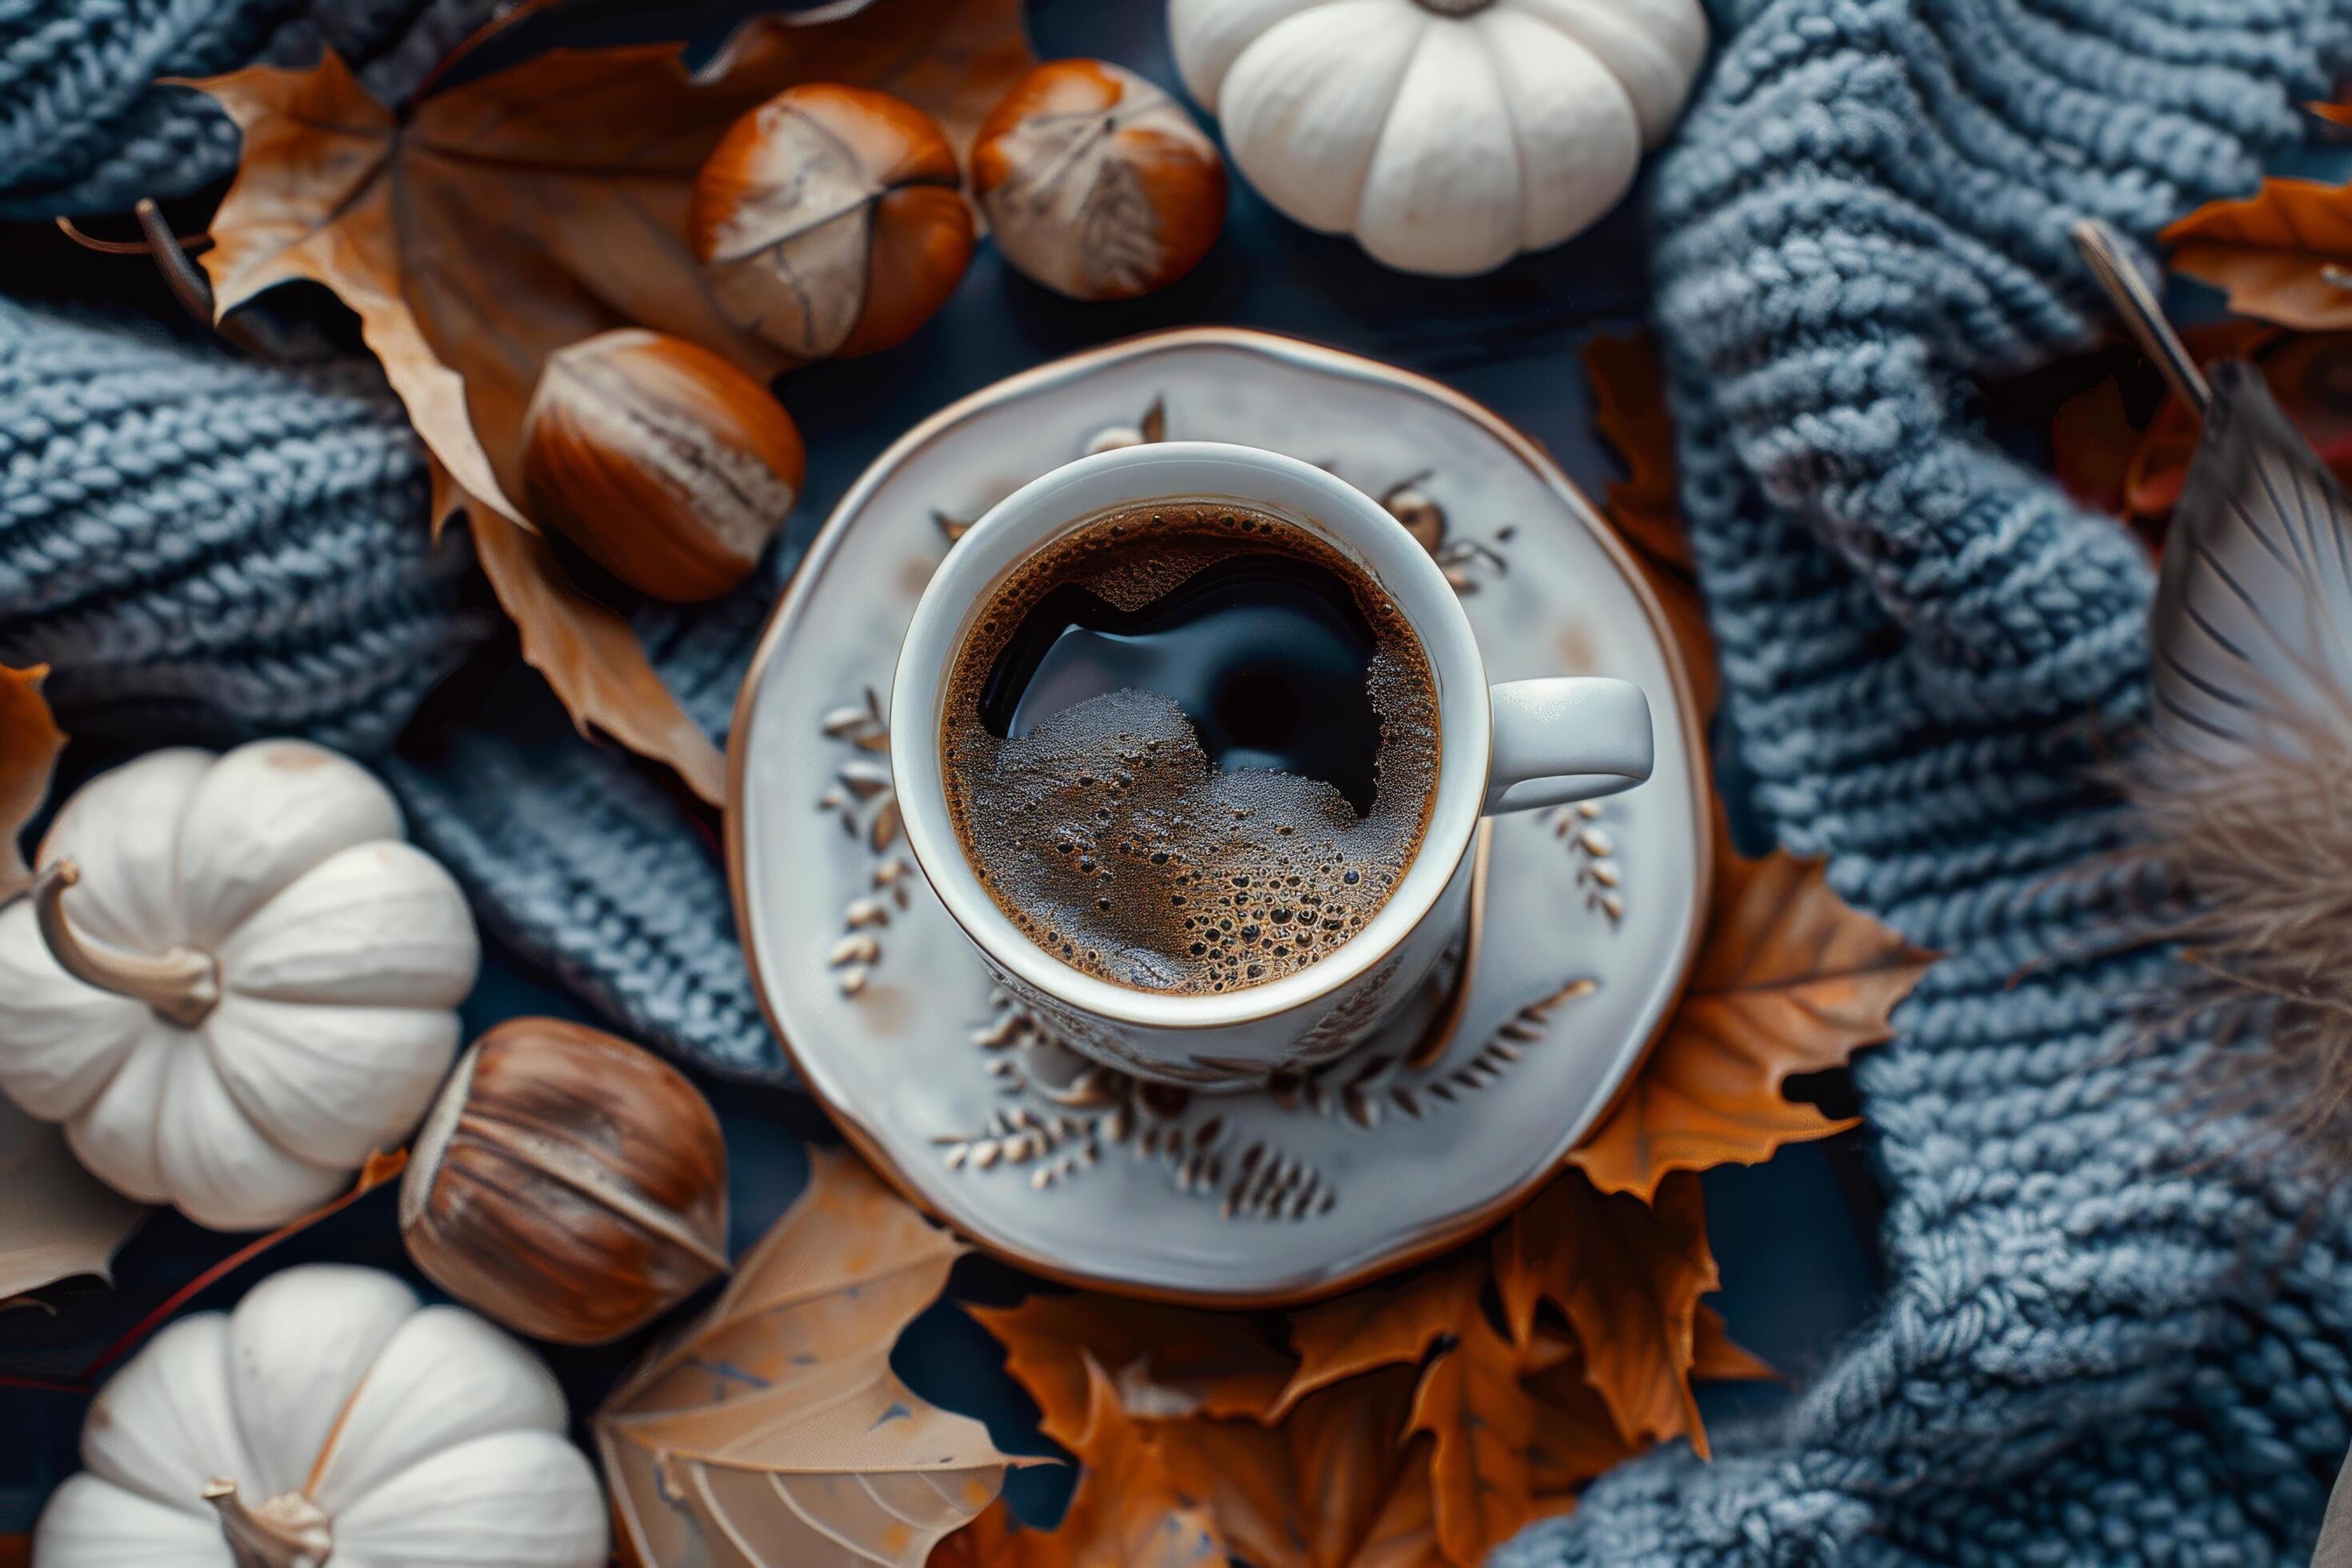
(1445, 135)
(233, 981)
(329, 1419)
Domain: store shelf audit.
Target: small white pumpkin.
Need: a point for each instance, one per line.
(329, 1419)
(1445, 135)
(249, 988)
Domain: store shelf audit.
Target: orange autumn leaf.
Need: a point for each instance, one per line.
(1332, 1487)
(15, 1551)
(2284, 254)
(1481, 1424)
(774, 1421)
(1164, 1362)
(1382, 1325)
(1628, 1276)
(1575, 1438)
(1790, 979)
(492, 222)
(1716, 1357)
(29, 743)
(1127, 1512)
(1628, 407)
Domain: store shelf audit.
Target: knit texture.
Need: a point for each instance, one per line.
(84, 128)
(2094, 1349)
(206, 548)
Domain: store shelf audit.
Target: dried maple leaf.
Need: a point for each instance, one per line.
(1164, 1362)
(1629, 407)
(1716, 1357)
(1334, 1485)
(1790, 979)
(58, 1220)
(774, 1423)
(1575, 1438)
(495, 221)
(2284, 254)
(29, 743)
(1628, 1276)
(1481, 1424)
(1128, 1510)
(1381, 1325)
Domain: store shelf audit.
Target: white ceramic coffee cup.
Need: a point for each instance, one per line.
(1509, 747)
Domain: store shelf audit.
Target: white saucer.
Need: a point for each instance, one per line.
(1590, 915)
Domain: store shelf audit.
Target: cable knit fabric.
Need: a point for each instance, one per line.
(208, 547)
(203, 546)
(2104, 1341)
(84, 128)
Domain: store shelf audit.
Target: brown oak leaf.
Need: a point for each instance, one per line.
(774, 1421)
(2284, 254)
(494, 221)
(1163, 1362)
(1790, 979)
(29, 743)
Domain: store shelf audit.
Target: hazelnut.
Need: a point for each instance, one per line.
(1096, 182)
(670, 467)
(829, 221)
(566, 1184)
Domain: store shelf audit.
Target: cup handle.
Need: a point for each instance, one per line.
(1566, 738)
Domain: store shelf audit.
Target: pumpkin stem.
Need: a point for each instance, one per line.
(183, 985)
(288, 1532)
(1453, 7)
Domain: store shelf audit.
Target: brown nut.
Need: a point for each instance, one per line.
(829, 221)
(670, 467)
(566, 1184)
(1097, 183)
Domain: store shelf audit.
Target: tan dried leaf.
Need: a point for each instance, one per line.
(57, 1220)
(495, 221)
(774, 1425)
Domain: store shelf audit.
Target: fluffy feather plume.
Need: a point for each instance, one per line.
(2241, 792)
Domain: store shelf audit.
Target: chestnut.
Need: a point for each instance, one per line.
(668, 465)
(831, 221)
(566, 1184)
(1097, 183)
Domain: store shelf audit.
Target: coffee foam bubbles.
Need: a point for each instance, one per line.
(1109, 838)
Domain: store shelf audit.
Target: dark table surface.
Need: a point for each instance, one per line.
(1794, 1237)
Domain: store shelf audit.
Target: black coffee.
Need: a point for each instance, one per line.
(1190, 748)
